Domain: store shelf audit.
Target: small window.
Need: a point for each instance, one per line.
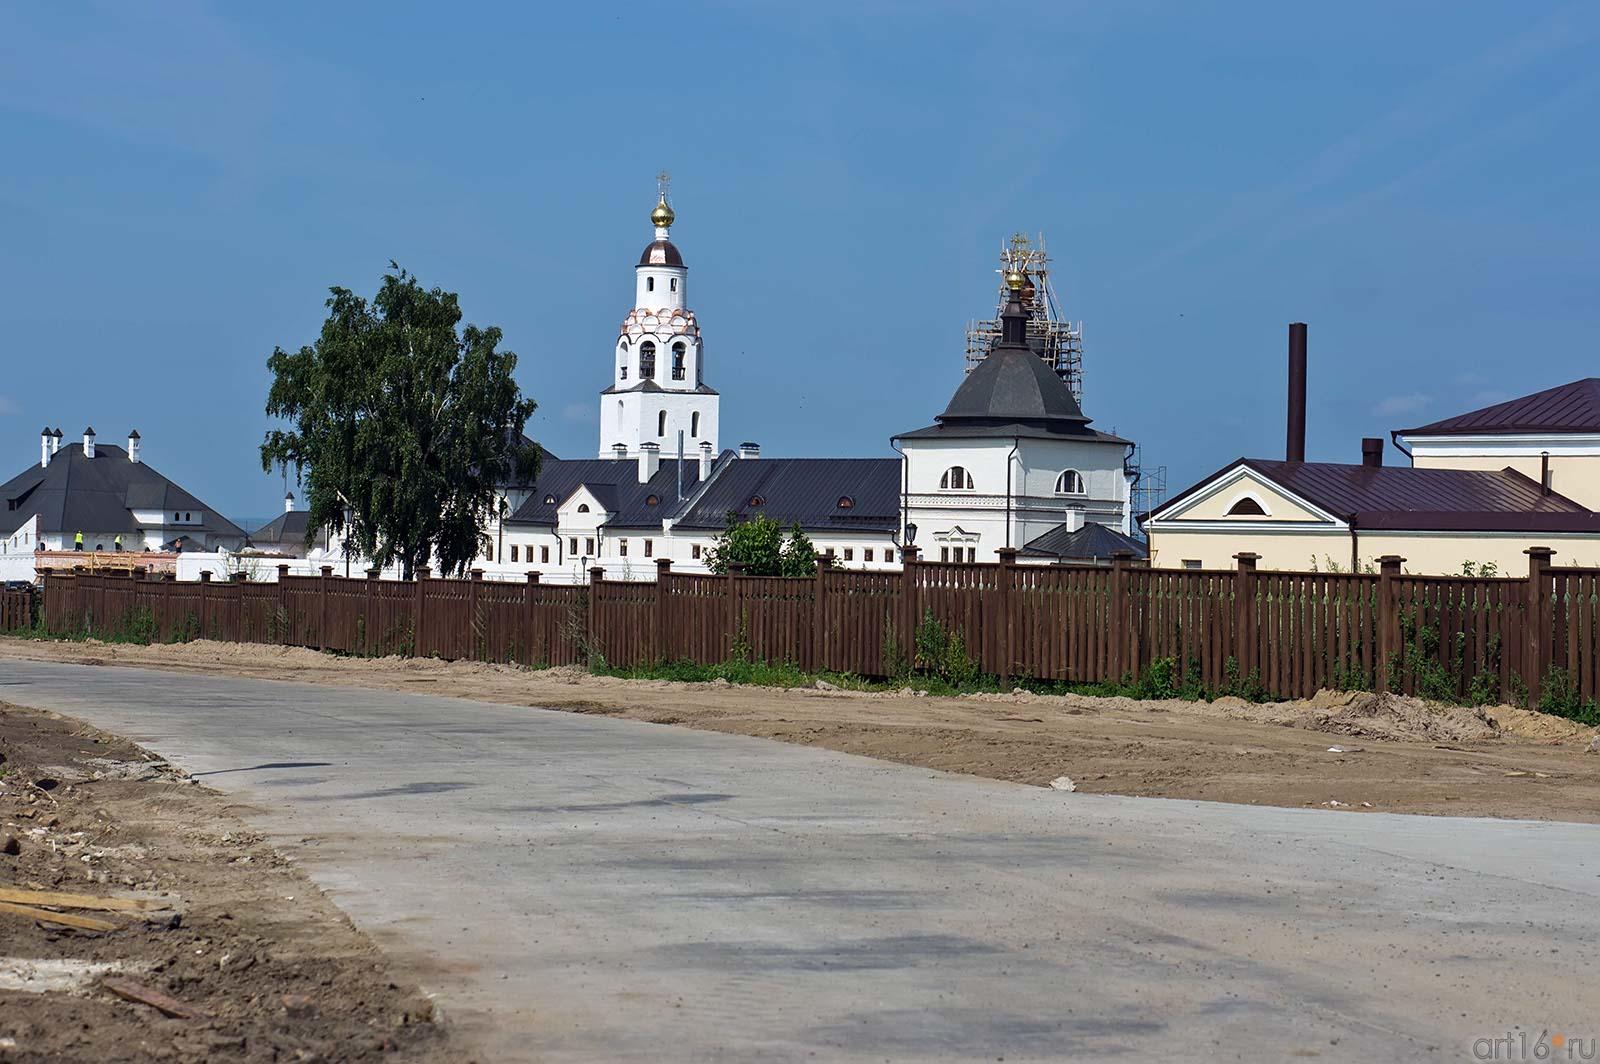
(572, 545)
(647, 361)
(661, 423)
(758, 500)
(849, 554)
(694, 551)
(549, 500)
(1191, 563)
(972, 554)
(694, 425)
(652, 500)
(622, 371)
(649, 284)
(622, 548)
(544, 554)
(944, 554)
(1069, 483)
(186, 516)
(674, 284)
(588, 547)
(888, 554)
(583, 507)
(845, 502)
(866, 555)
(649, 548)
(1246, 506)
(678, 353)
(956, 478)
(488, 552)
(513, 552)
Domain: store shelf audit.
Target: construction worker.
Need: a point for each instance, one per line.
(116, 544)
(77, 541)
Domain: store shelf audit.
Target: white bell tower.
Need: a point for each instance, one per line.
(658, 384)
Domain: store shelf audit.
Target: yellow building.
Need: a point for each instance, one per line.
(1482, 488)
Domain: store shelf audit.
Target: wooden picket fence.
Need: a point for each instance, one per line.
(1284, 634)
(16, 608)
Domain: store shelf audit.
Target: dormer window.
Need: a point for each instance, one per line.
(846, 502)
(652, 500)
(758, 500)
(549, 500)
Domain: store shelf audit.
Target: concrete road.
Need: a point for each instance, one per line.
(577, 888)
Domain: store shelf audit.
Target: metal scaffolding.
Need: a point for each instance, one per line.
(1055, 338)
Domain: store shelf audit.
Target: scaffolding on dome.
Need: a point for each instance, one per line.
(1055, 338)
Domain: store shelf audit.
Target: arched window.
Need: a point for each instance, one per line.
(694, 425)
(678, 351)
(956, 478)
(583, 507)
(1247, 506)
(1069, 483)
(647, 361)
(846, 502)
(649, 284)
(661, 423)
(758, 500)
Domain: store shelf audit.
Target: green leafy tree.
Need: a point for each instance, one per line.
(761, 546)
(401, 427)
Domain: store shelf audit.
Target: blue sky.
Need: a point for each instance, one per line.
(1419, 182)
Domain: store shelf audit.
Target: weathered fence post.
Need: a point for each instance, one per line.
(205, 603)
(1538, 621)
(663, 574)
(1122, 659)
(478, 651)
(368, 645)
(597, 573)
(907, 613)
(1004, 633)
(819, 614)
(322, 595)
(735, 607)
(1244, 612)
(1388, 623)
(282, 631)
(530, 602)
(419, 609)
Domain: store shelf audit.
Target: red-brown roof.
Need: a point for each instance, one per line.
(1573, 407)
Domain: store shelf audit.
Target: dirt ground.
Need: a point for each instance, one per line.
(260, 966)
(1337, 751)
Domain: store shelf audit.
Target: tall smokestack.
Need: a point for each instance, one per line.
(1295, 448)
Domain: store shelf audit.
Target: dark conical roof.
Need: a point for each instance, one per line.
(1013, 383)
(661, 252)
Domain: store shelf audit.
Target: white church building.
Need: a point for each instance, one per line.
(1011, 462)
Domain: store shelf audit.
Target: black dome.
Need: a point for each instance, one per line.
(661, 253)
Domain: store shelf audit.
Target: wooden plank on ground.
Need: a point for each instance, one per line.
(165, 1004)
(79, 901)
(82, 923)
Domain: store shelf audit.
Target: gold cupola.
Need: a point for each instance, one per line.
(662, 217)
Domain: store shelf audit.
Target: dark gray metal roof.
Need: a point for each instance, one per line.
(1013, 384)
(288, 527)
(1573, 407)
(661, 253)
(652, 386)
(1091, 543)
(803, 491)
(613, 481)
(78, 493)
(1404, 497)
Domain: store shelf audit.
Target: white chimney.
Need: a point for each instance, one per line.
(133, 446)
(45, 440)
(619, 451)
(55, 441)
(649, 461)
(88, 442)
(749, 450)
(705, 460)
(288, 503)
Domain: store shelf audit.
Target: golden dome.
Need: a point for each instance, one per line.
(1015, 279)
(662, 217)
